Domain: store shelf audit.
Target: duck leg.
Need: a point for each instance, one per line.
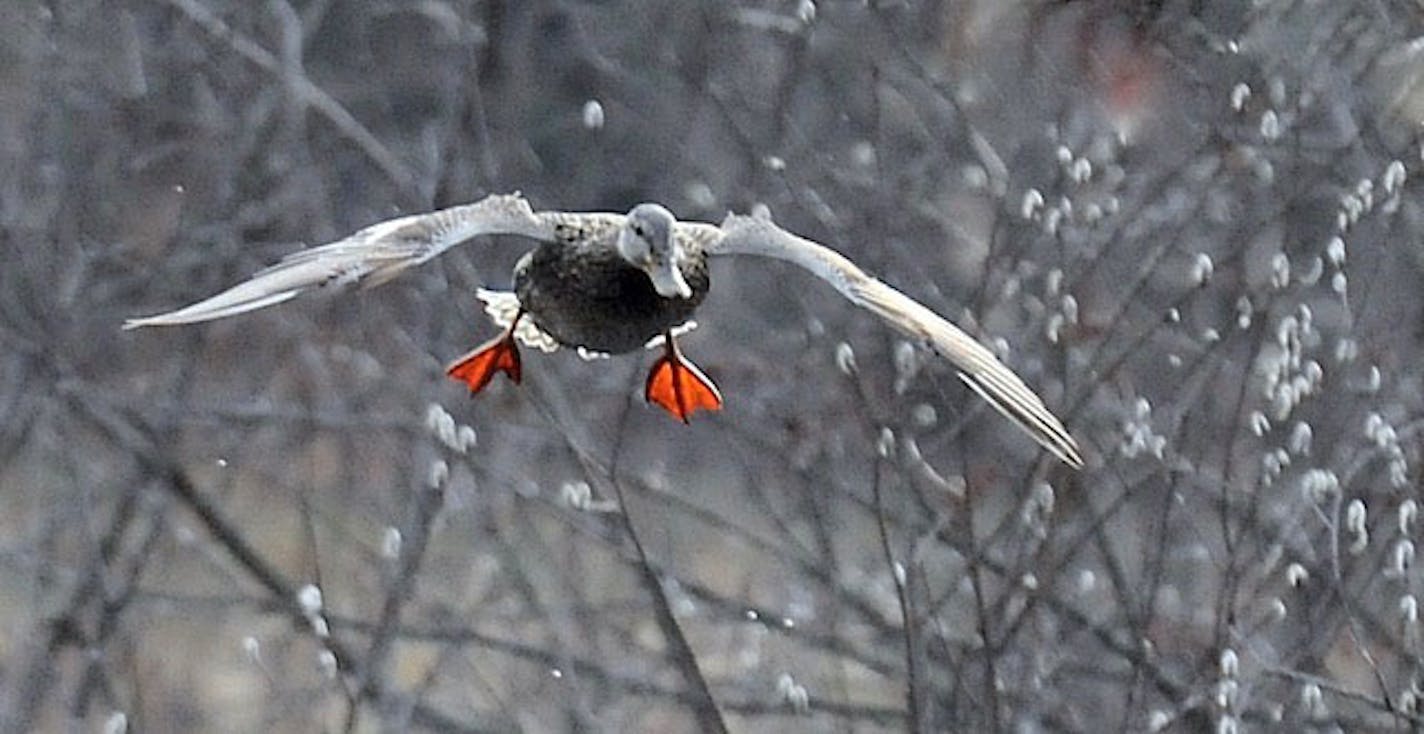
(678, 386)
(478, 366)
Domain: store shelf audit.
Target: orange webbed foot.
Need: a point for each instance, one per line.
(677, 386)
(479, 366)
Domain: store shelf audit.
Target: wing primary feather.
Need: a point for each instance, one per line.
(370, 257)
(979, 368)
(212, 308)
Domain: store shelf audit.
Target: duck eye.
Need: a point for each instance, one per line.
(638, 229)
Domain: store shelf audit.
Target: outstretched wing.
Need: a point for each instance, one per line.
(978, 367)
(370, 257)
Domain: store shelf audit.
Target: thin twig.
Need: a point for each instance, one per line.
(400, 176)
(429, 498)
(704, 704)
(899, 574)
(129, 431)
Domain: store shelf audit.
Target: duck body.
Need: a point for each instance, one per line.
(583, 293)
(611, 284)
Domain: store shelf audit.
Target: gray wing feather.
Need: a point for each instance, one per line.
(978, 367)
(370, 257)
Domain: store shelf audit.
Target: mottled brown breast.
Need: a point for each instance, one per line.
(579, 291)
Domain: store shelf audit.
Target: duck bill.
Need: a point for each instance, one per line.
(668, 281)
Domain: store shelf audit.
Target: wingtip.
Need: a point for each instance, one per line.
(1064, 447)
(1034, 418)
(164, 319)
(140, 322)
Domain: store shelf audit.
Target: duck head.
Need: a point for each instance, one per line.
(646, 242)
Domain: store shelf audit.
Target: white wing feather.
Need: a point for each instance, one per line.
(370, 257)
(978, 367)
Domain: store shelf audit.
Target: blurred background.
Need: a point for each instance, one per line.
(1193, 227)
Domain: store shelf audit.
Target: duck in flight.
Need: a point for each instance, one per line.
(613, 283)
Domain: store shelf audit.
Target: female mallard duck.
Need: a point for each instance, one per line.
(613, 283)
